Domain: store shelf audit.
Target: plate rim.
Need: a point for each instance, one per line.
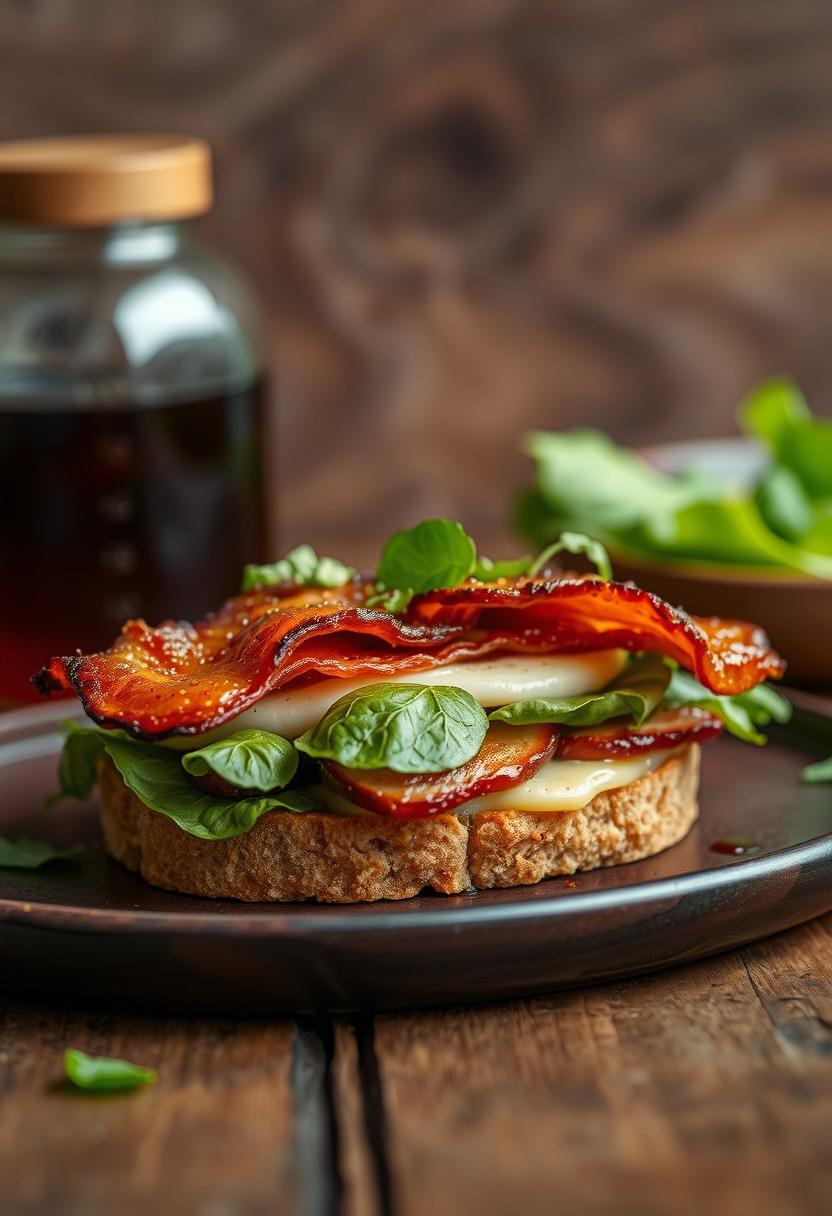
(310, 920)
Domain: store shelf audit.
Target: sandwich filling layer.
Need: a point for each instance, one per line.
(491, 682)
(559, 786)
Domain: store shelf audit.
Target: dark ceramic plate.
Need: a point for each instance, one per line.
(95, 932)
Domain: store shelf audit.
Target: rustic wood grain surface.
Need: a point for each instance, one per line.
(469, 219)
(466, 220)
(706, 1088)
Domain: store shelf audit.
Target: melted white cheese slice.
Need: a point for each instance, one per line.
(567, 785)
(560, 785)
(492, 682)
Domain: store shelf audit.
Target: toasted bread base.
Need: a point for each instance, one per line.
(335, 859)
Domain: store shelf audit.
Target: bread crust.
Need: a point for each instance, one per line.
(335, 859)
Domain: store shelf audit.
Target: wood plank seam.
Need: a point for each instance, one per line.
(375, 1115)
(316, 1127)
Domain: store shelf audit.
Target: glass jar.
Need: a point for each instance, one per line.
(132, 399)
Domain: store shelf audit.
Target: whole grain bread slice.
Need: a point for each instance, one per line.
(337, 859)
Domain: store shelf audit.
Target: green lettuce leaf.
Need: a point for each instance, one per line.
(302, 566)
(25, 854)
(741, 714)
(487, 571)
(783, 503)
(104, 1074)
(820, 771)
(730, 531)
(156, 776)
(635, 693)
(586, 480)
(249, 759)
(410, 728)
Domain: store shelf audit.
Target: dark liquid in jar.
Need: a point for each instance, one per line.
(116, 513)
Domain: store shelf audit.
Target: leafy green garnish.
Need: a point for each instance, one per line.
(741, 714)
(249, 759)
(104, 1074)
(576, 542)
(76, 767)
(784, 523)
(488, 571)
(440, 553)
(582, 475)
(772, 410)
(156, 776)
(777, 414)
(410, 728)
(436, 553)
(820, 771)
(635, 693)
(25, 854)
(301, 566)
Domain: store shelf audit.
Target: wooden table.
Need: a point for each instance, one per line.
(703, 1089)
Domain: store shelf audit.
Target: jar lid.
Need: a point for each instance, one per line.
(95, 180)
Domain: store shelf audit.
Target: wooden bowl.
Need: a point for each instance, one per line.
(796, 611)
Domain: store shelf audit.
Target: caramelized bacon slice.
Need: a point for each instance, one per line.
(565, 614)
(508, 756)
(186, 679)
(617, 740)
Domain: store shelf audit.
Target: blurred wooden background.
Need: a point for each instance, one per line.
(470, 218)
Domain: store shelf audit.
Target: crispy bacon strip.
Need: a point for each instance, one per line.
(728, 657)
(618, 740)
(187, 679)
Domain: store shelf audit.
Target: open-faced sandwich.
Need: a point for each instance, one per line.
(452, 723)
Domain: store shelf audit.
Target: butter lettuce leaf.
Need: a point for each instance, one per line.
(741, 714)
(635, 693)
(156, 776)
(584, 481)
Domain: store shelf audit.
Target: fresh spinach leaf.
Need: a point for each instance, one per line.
(156, 776)
(103, 1073)
(25, 854)
(302, 566)
(635, 693)
(436, 553)
(410, 728)
(249, 759)
(741, 714)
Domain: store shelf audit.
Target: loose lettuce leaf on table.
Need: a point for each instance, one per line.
(104, 1074)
